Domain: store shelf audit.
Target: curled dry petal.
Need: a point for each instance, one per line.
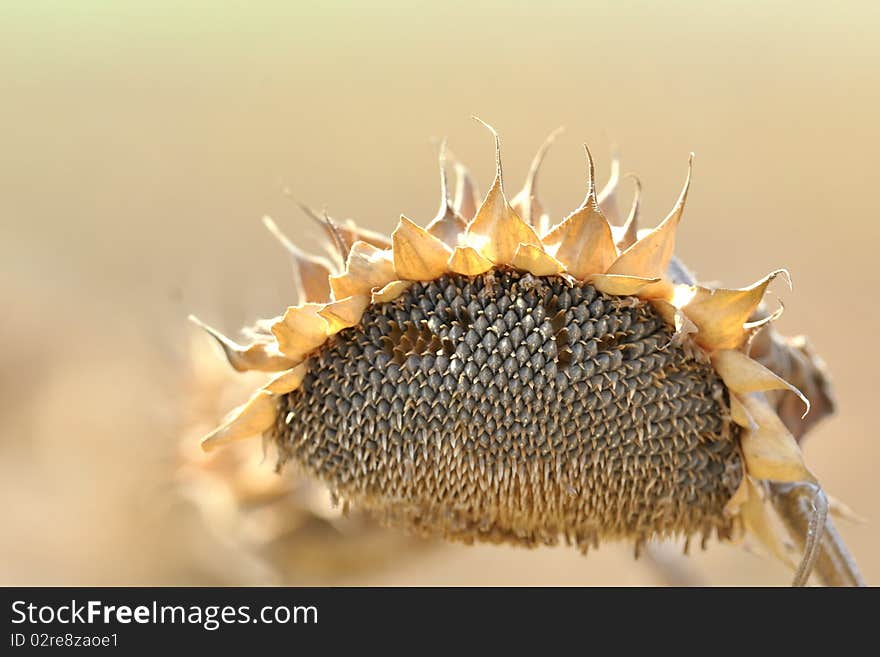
(367, 267)
(344, 313)
(300, 330)
(260, 355)
(536, 261)
(288, 380)
(311, 273)
(650, 255)
(770, 451)
(390, 292)
(744, 375)
(418, 255)
(722, 314)
(468, 261)
(252, 418)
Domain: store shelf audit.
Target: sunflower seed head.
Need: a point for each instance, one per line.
(520, 409)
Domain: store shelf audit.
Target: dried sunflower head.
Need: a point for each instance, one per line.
(494, 377)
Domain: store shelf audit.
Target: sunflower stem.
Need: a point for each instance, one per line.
(804, 510)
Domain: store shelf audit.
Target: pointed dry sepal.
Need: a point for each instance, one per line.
(536, 261)
(721, 315)
(252, 418)
(311, 273)
(260, 356)
(497, 231)
(447, 225)
(650, 255)
(741, 374)
(583, 241)
(344, 313)
(300, 330)
(607, 198)
(353, 233)
(367, 267)
(526, 203)
(337, 246)
(468, 261)
(628, 233)
(288, 380)
(753, 328)
(345, 233)
(418, 255)
(770, 451)
(466, 198)
(262, 327)
(390, 292)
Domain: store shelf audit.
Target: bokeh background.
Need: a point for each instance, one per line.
(142, 142)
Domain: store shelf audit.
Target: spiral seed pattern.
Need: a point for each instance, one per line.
(513, 408)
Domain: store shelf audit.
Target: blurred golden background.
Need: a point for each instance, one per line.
(143, 141)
